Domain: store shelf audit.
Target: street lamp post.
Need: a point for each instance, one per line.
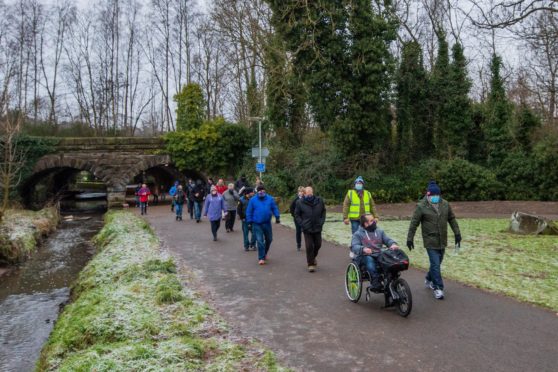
(259, 120)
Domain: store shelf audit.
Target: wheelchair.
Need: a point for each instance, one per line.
(395, 289)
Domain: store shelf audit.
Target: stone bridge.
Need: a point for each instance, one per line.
(115, 161)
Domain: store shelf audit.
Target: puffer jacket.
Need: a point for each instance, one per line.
(434, 223)
(310, 214)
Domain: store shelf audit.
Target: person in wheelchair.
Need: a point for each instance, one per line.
(366, 245)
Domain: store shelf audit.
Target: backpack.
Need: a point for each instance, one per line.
(393, 260)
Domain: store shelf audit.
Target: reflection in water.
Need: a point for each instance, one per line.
(31, 295)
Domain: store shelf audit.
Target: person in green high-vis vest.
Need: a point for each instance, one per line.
(358, 202)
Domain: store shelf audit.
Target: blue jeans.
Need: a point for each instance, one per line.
(298, 235)
(247, 241)
(436, 256)
(191, 208)
(178, 208)
(143, 207)
(369, 263)
(197, 210)
(264, 237)
(354, 226)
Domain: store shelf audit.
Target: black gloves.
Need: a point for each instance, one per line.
(277, 220)
(458, 240)
(410, 245)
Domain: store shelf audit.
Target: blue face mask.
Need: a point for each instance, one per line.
(261, 194)
(359, 186)
(435, 199)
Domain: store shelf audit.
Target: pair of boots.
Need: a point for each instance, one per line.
(375, 283)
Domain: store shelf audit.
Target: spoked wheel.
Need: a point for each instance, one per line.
(405, 301)
(353, 282)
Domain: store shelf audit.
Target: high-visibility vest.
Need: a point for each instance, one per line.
(354, 207)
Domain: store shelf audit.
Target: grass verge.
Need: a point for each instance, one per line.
(22, 230)
(523, 267)
(129, 312)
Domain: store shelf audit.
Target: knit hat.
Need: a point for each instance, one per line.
(359, 179)
(260, 188)
(433, 188)
(248, 190)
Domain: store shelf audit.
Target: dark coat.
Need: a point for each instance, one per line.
(293, 205)
(310, 215)
(434, 223)
(199, 193)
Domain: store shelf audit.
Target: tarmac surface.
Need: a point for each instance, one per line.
(307, 320)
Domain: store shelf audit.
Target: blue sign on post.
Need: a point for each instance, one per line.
(260, 167)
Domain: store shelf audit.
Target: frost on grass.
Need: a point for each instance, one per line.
(130, 313)
(21, 231)
(524, 267)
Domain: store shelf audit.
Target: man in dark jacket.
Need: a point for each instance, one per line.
(190, 186)
(433, 214)
(179, 199)
(298, 228)
(199, 196)
(249, 243)
(241, 183)
(310, 214)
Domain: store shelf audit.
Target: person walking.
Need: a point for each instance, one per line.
(310, 215)
(434, 214)
(214, 210)
(241, 183)
(199, 197)
(190, 197)
(143, 193)
(249, 242)
(179, 199)
(298, 228)
(163, 194)
(172, 192)
(136, 195)
(358, 202)
(210, 184)
(259, 212)
(221, 187)
(231, 198)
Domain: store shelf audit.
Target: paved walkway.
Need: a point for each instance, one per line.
(311, 325)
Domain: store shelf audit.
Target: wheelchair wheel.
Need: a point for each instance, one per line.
(405, 301)
(353, 282)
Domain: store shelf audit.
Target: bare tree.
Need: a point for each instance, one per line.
(503, 14)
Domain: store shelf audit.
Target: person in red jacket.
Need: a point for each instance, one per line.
(143, 194)
(221, 187)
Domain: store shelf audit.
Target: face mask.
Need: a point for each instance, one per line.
(261, 194)
(359, 186)
(435, 199)
(309, 198)
(372, 227)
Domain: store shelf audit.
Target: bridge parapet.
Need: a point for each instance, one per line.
(111, 144)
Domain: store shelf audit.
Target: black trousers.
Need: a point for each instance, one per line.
(229, 221)
(215, 225)
(313, 242)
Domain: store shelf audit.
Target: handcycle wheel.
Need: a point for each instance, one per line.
(405, 301)
(353, 282)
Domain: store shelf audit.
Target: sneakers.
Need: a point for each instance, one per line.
(428, 284)
(311, 268)
(298, 249)
(246, 249)
(261, 262)
(253, 247)
(438, 294)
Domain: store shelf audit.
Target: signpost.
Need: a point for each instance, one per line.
(260, 167)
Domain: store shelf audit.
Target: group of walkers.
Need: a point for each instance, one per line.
(256, 210)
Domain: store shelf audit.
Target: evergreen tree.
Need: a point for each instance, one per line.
(458, 110)
(497, 127)
(413, 131)
(526, 123)
(190, 111)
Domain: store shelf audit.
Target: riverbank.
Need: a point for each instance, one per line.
(22, 230)
(129, 311)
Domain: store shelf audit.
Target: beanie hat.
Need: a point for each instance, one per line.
(260, 188)
(359, 179)
(248, 190)
(433, 188)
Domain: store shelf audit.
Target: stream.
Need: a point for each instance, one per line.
(32, 293)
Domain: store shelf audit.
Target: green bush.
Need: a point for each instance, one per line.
(517, 173)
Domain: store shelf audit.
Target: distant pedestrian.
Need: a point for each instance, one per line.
(179, 200)
(214, 210)
(358, 202)
(136, 195)
(310, 214)
(221, 187)
(231, 202)
(433, 214)
(163, 193)
(199, 197)
(144, 193)
(190, 197)
(155, 194)
(249, 242)
(258, 215)
(210, 184)
(258, 182)
(241, 183)
(298, 229)
(172, 192)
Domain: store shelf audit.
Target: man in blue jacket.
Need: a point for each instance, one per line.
(172, 193)
(258, 217)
